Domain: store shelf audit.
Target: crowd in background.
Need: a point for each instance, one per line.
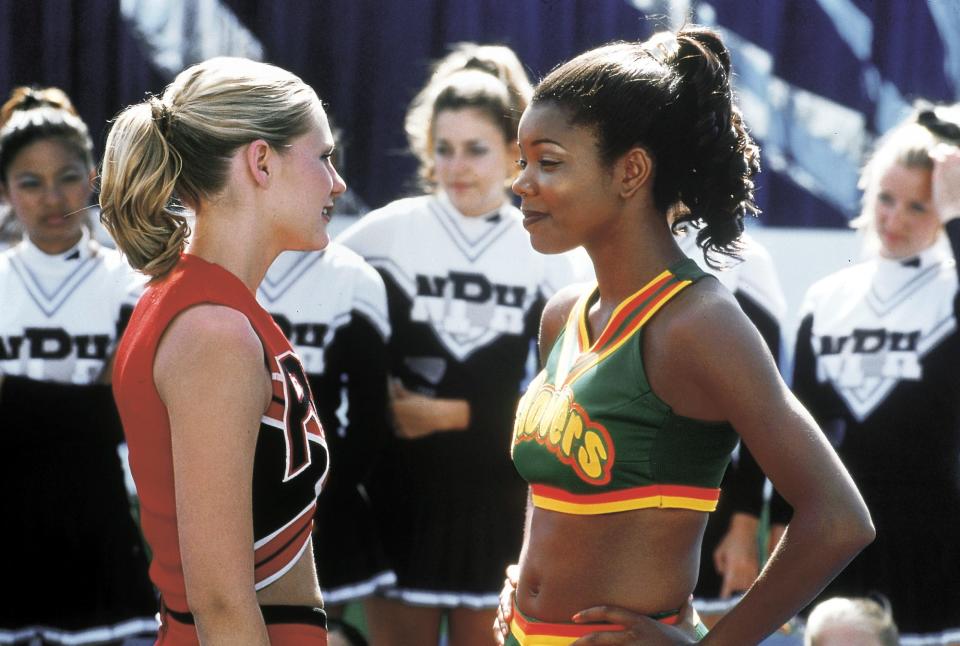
(417, 328)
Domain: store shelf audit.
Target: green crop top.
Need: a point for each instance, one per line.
(591, 437)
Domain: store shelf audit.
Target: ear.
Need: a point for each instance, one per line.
(92, 179)
(634, 171)
(260, 161)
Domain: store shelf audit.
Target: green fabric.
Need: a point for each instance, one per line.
(613, 398)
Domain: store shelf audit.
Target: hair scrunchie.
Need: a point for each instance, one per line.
(160, 112)
(944, 129)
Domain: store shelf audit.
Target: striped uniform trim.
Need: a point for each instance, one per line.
(543, 634)
(129, 628)
(276, 554)
(626, 320)
(359, 590)
(646, 497)
(530, 632)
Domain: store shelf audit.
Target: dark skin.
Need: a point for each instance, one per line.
(665, 545)
(706, 360)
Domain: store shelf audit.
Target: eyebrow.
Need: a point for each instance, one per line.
(468, 141)
(59, 171)
(544, 140)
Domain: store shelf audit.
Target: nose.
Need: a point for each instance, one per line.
(339, 186)
(459, 162)
(521, 185)
(887, 215)
(53, 195)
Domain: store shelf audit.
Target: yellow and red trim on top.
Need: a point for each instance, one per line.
(531, 632)
(655, 496)
(628, 317)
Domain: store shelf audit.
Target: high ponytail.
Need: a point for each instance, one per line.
(167, 154)
(672, 96)
(715, 176)
(138, 182)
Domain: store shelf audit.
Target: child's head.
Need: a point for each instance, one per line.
(845, 621)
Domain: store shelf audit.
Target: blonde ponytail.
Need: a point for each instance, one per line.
(138, 180)
(168, 153)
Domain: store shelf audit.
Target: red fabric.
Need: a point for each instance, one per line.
(145, 422)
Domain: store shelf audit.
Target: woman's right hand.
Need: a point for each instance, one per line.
(946, 181)
(736, 556)
(638, 629)
(501, 625)
(416, 415)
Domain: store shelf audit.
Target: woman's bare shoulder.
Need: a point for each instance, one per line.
(205, 342)
(556, 312)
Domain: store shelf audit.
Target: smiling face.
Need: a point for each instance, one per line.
(904, 216)
(309, 188)
(472, 160)
(567, 194)
(48, 187)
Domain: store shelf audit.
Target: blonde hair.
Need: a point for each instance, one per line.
(870, 616)
(908, 144)
(489, 78)
(172, 151)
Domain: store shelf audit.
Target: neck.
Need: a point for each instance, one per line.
(631, 254)
(230, 238)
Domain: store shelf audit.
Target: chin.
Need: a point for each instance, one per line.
(546, 246)
(322, 242)
(316, 243)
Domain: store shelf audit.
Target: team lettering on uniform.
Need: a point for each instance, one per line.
(463, 303)
(53, 343)
(849, 360)
(552, 418)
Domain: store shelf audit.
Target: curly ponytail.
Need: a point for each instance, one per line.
(716, 166)
(671, 95)
(140, 172)
(169, 153)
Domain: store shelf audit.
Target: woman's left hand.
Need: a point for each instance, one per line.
(946, 181)
(639, 630)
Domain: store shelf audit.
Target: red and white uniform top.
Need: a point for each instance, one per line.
(291, 459)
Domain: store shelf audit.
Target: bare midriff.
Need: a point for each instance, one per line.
(297, 587)
(645, 560)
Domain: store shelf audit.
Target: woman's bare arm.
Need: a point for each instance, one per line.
(710, 353)
(210, 374)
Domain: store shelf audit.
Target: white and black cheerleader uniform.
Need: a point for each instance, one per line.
(75, 567)
(465, 296)
(332, 306)
(753, 282)
(878, 365)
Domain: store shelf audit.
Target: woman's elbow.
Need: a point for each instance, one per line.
(854, 529)
(866, 531)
